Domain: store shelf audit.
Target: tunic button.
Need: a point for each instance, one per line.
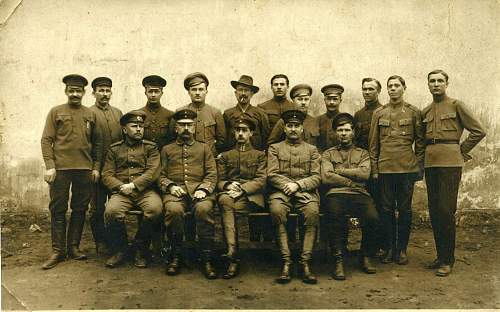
(403, 133)
(131, 167)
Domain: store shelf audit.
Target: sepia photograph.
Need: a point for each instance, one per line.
(249, 154)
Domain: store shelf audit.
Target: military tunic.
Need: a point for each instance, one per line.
(310, 134)
(274, 108)
(327, 137)
(444, 123)
(362, 123)
(157, 124)
(258, 116)
(189, 165)
(209, 126)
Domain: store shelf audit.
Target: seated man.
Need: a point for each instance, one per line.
(187, 181)
(294, 176)
(242, 177)
(130, 170)
(345, 169)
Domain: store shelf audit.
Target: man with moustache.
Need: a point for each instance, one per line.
(345, 169)
(244, 90)
(332, 97)
(187, 181)
(71, 147)
(130, 171)
(395, 129)
(444, 121)
(209, 124)
(370, 88)
(294, 177)
(279, 103)
(156, 126)
(108, 120)
(301, 96)
(242, 178)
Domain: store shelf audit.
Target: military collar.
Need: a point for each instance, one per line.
(442, 99)
(153, 107)
(372, 105)
(132, 143)
(196, 106)
(105, 107)
(279, 99)
(298, 142)
(244, 147)
(331, 114)
(398, 103)
(180, 141)
(345, 148)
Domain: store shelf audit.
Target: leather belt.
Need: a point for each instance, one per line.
(440, 141)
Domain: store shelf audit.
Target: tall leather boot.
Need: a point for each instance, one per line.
(389, 224)
(282, 240)
(117, 234)
(232, 269)
(338, 269)
(206, 258)
(404, 228)
(174, 265)
(142, 241)
(307, 249)
(75, 230)
(58, 233)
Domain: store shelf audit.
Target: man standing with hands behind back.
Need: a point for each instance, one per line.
(445, 120)
(71, 148)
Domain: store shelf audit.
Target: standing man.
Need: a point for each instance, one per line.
(345, 169)
(158, 117)
(187, 181)
(444, 121)
(71, 148)
(279, 103)
(395, 128)
(294, 177)
(242, 177)
(370, 88)
(244, 90)
(301, 96)
(209, 124)
(332, 97)
(131, 168)
(108, 121)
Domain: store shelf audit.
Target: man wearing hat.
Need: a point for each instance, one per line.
(130, 171)
(156, 127)
(71, 148)
(332, 97)
(244, 90)
(370, 88)
(397, 146)
(345, 169)
(279, 103)
(108, 121)
(445, 155)
(187, 181)
(242, 178)
(293, 169)
(209, 124)
(301, 96)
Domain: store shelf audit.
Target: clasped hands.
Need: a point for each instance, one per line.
(234, 190)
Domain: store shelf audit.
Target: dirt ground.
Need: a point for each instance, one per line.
(72, 285)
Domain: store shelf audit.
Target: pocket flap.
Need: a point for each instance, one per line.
(428, 119)
(405, 122)
(63, 117)
(209, 123)
(449, 116)
(384, 122)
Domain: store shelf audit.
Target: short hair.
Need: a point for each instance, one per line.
(398, 78)
(438, 71)
(280, 76)
(379, 86)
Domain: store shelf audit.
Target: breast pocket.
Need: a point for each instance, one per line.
(406, 126)
(449, 122)
(251, 170)
(306, 166)
(284, 163)
(64, 125)
(164, 128)
(428, 123)
(384, 127)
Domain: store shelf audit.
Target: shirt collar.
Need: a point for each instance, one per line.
(180, 141)
(244, 147)
(105, 107)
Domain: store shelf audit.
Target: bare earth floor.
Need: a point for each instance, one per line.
(475, 282)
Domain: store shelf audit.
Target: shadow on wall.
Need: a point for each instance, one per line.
(23, 187)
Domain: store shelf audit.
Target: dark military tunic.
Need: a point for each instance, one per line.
(246, 166)
(260, 120)
(210, 126)
(274, 108)
(362, 123)
(310, 134)
(327, 137)
(156, 124)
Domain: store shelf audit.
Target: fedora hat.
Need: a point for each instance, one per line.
(246, 81)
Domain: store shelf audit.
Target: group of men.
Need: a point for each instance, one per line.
(272, 157)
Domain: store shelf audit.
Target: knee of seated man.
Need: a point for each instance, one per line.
(174, 209)
(203, 209)
(225, 201)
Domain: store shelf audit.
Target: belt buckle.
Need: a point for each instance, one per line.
(433, 140)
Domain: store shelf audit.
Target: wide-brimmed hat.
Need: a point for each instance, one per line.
(246, 81)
